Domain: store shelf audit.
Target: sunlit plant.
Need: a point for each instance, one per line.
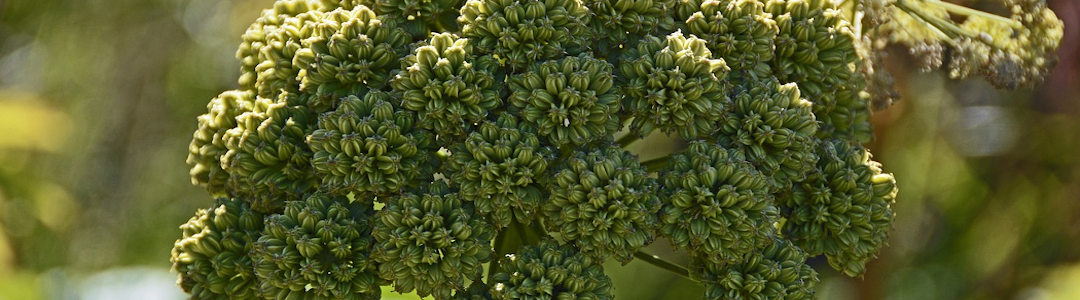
(477, 149)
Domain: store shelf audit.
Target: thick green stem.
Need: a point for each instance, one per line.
(628, 139)
(963, 10)
(946, 26)
(505, 242)
(663, 264)
(655, 164)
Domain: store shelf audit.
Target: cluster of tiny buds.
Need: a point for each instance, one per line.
(478, 149)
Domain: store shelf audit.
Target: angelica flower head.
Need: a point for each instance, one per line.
(467, 149)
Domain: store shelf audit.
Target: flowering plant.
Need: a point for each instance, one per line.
(477, 149)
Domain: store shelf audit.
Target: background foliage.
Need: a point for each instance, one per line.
(98, 100)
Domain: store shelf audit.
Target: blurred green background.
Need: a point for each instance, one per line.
(98, 101)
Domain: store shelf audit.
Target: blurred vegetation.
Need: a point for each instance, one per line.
(98, 101)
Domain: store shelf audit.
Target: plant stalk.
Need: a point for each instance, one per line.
(663, 264)
(628, 139)
(966, 11)
(655, 164)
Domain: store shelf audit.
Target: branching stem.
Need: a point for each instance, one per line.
(655, 164)
(963, 10)
(628, 139)
(663, 264)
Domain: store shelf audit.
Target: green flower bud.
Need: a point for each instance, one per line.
(526, 31)
(570, 101)
(550, 271)
(419, 18)
(208, 143)
(348, 52)
(686, 8)
(603, 202)
(267, 43)
(620, 22)
(211, 257)
(477, 291)
(716, 204)
(674, 84)
(843, 209)
(816, 49)
(739, 31)
(268, 47)
(774, 127)
(318, 248)
(371, 146)
(778, 271)
(431, 242)
(499, 167)
(267, 160)
(441, 82)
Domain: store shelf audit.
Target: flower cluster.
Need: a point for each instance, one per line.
(478, 149)
(446, 86)
(774, 128)
(524, 32)
(816, 49)
(550, 271)
(738, 31)
(268, 160)
(674, 84)
(778, 272)
(369, 146)
(570, 101)
(431, 242)
(716, 204)
(317, 248)
(212, 256)
(604, 202)
(1010, 51)
(499, 168)
(843, 209)
(207, 144)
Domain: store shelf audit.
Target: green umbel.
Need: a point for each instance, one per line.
(318, 248)
(212, 256)
(716, 204)
(431, 242)
(370, 146)
(550, 271)
(843, 209)
(603, 202)
(499, 167)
